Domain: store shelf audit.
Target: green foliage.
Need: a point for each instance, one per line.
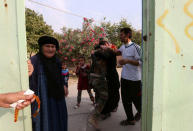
(78, 42)
(75, 42)
(113, 31)
(35, 27)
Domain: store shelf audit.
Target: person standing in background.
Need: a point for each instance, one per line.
(65, 74)
(82, 71)
(112, 80)
(47, 83)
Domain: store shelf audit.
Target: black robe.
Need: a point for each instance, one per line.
(113, 82)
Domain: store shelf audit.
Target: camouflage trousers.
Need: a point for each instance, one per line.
(99, 84)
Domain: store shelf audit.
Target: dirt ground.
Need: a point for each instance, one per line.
(77, 118)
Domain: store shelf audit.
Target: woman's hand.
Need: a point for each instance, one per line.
(30, 68)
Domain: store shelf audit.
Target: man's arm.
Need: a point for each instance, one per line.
(127, 61)
(77, 70)
(117, 51)
(137, 56)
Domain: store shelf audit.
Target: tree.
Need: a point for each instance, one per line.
(112, 31)
(80, 42)
(35, 27)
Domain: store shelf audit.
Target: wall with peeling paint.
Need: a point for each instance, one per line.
(168, 84)
(13, 67)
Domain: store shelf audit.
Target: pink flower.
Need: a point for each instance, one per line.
(102, 29)
(100, 35)
(85, 19)
(59, 51)
(70, 50)
(65, 58)
(73, 60)
(92, 39)
(95, 42)
(87, 39)
(72, 47)
(61, 41)
(92, 30)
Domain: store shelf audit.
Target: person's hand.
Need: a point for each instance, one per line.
(77, 70)
(108, 45)
(78, 66)
(30, 68)
(66, 91)
(104, 47)
(84, 74)
(11, 98)
(123, 61)
(24, 104)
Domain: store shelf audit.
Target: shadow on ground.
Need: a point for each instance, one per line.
(77, 118)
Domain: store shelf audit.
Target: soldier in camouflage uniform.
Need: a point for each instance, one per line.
(99, 83)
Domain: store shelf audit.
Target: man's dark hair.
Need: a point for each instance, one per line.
(102, 42)
(127, 31)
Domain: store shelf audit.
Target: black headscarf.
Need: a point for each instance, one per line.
(52, 68)
(48, 40)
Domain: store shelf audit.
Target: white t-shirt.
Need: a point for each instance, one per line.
(131, 51)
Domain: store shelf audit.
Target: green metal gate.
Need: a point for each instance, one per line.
(13, 67)
(168, 65)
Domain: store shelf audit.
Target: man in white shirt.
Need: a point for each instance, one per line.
(130, 76)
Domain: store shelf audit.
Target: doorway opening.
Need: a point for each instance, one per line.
(74, 23)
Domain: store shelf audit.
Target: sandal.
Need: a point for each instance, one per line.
(137, 116)
(93, 122)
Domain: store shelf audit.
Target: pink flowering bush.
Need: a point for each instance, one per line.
(80, 42)
(76, 43)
